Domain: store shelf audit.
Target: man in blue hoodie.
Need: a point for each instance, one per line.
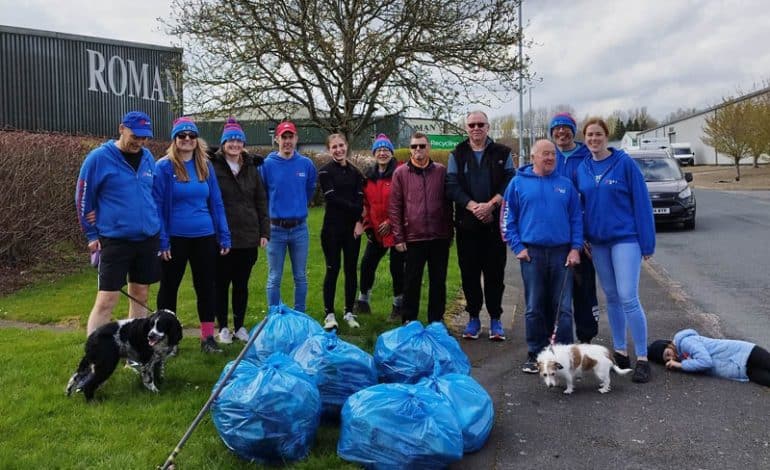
(289, 180)
(119, 217)
(569, 155)
(542, 223)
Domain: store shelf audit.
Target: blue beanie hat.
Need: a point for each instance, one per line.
(181, 125)
(232, 131)
(563, 119)
(380, 142)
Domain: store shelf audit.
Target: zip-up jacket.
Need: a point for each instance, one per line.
(121, 196)
(417, 209)
(244, 199)
(541, 210)
(289, 184)
(616, 203)
(342, 188)
(725, 358)
(469, 180)
(163, 191)
(376, 197)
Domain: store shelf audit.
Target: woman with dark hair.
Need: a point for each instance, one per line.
(246, 208)
(378, 231)
(618, 222)
(341, 185)
(193, 224)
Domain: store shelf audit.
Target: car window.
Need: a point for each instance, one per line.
(682, 151)
(659, 169)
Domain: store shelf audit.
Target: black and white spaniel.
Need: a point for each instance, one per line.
(146, 342)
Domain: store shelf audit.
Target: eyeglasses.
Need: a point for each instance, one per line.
(418, 146)
(186, 135)
(476, 125)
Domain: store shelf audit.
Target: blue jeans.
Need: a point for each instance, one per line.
(618, 267)
(543, 278)
(294, 239)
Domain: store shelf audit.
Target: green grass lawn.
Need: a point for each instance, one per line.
(127, 426)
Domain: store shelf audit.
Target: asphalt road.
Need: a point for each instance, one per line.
(677, 420)
(723, 266)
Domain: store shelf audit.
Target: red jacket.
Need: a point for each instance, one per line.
(418, 209)
(376, 197)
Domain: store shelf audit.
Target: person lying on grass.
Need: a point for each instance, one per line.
(725, 358)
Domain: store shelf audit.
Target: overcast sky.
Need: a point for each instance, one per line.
(595, 55)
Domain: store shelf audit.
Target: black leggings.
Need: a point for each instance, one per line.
(333, 243)
(758, 366)
(235, 268)
(202, 253)
(372, 256)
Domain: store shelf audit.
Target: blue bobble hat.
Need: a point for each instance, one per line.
(183, 124)
(232, 131)
(139, 123)
(380, 142)
(563, 119)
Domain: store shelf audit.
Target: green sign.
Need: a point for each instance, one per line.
(444, 141)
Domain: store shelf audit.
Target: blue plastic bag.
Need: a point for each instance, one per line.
(285, 330)
(471, 404)
(407, 353)
(399, 426)
(268, 413)
(340, 369)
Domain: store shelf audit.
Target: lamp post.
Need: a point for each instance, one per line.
(523, 157)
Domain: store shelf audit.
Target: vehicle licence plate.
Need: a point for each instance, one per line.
(661, 210)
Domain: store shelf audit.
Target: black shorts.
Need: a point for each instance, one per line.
(138, 260)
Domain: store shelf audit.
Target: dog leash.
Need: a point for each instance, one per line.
(137, 301)
(558, 308)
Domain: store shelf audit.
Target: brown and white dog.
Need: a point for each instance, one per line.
(563, 363)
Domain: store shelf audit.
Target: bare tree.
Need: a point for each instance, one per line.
(727, 132)
(345, 60)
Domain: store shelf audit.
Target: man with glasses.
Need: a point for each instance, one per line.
(289, 180)
(421, 225)
(119, 217)
(570, 154)
(478, 172)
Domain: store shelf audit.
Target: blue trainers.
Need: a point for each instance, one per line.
(496, 332)
(472, 329)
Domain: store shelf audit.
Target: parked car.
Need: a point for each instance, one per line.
(673, 201)
(683, 153)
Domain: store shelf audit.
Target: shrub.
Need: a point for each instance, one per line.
(440, 156)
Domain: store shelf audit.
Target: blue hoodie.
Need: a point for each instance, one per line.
(289, 183)
(725, 358)
(541, 210)
(616, 203)
(567, 166)
(121, 196)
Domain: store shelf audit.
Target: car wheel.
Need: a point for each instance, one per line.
(690, 224)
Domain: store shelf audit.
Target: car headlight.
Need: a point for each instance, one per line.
(685, 194)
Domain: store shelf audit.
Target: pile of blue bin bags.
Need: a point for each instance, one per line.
(412, 405)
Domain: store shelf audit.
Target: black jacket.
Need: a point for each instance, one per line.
(245, 200)
(342, 188)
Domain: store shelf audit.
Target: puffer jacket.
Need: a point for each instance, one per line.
(376, 197)
(725, 358)
(245, 200)
(418, 208)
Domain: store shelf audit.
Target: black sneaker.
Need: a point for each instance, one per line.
(395, 315)
(642, 372)
(209, 345)
(362, 307)
(621, 361)
(530, 367)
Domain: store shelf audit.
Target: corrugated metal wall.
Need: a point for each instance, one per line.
(82, 85)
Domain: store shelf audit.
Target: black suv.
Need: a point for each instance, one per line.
(673, 201)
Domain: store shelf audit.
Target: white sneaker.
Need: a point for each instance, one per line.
(351, 319)
(330, 322)
(242, 334)
(225, 337)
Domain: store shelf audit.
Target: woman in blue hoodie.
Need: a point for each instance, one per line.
(193, 224)
(618, 222)
(725, 358)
